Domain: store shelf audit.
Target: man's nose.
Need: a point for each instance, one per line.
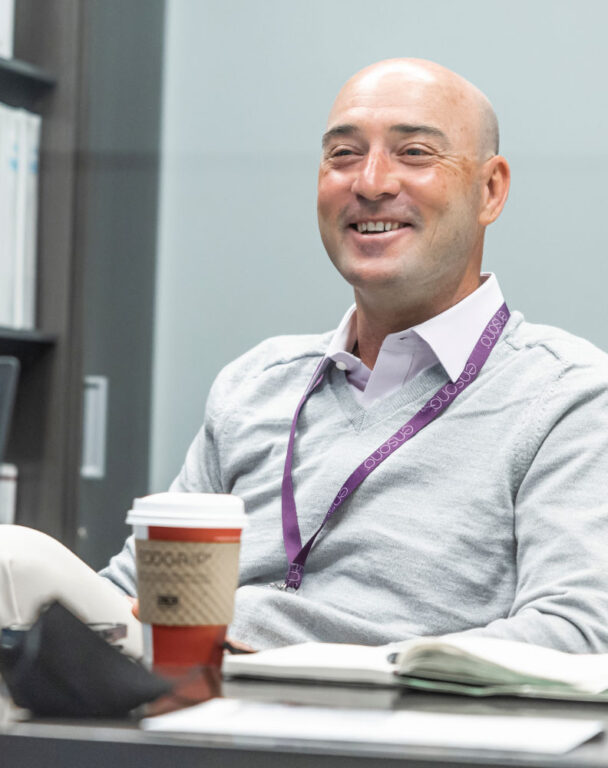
(375, 178)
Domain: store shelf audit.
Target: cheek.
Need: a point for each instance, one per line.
(323, 191)
(328, 197)
(440, 192)
(325, 213)
(429, 188)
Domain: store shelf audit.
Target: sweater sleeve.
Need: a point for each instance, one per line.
(561, 521)
(199, 474)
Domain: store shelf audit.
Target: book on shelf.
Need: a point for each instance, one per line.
(8, 493)
(8, 212)
(470, 665)
(19, 152)
(7, 24)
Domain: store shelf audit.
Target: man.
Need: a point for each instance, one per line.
(458, 456)
(492, 518)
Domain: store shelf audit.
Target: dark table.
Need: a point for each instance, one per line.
(31, 743)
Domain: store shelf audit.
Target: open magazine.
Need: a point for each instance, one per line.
(473, 666)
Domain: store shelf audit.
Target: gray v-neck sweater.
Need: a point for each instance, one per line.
(493, 519)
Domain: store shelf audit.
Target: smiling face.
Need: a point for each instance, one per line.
(403, 184)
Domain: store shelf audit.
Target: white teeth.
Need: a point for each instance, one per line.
(378, 226)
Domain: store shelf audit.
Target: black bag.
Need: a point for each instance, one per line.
(60, 667)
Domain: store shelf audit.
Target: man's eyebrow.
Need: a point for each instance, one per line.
(339, 130)
(403, 128)
(408, 129)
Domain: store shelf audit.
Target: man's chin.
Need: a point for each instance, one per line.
(387, 270)
(376, 281)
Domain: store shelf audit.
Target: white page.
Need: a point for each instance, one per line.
(586, 672)
(245, 719)
(317, 661)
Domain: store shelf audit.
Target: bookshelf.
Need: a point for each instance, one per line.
(21, 83)
(92, 69)
(25, 345)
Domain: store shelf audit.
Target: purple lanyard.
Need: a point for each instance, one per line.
(296, 553)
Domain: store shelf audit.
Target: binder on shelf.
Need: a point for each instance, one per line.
(34, 123)
(8, 211)
(20, 223)
(19, 151)
(8, 493)
(7, 25)
(27, 214)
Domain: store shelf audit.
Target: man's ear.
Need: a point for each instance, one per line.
(496, 179)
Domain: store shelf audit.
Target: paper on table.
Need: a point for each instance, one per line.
(236, 718)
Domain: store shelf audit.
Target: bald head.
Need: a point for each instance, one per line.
(461, 102)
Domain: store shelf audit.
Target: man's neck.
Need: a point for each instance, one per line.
(375, 321)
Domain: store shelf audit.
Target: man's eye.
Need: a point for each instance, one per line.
(415, 152)
(341, 152)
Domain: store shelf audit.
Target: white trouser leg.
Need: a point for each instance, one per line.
(35, 569)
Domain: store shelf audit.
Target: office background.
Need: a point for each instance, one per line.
(177, 223)
(247, 88)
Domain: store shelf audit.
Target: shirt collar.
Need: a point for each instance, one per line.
(451, 335)
(345, 335)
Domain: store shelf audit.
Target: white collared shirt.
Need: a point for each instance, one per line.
(447, 338)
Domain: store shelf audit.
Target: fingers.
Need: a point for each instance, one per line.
(242, 647)
(134, 605)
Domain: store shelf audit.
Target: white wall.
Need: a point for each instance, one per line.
(247, 89)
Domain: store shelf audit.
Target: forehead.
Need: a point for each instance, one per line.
(381, 100)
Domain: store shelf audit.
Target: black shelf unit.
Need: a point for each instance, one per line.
(24, 72)
(27, 346)
(24, 337)
(92, 69)
(23, 85)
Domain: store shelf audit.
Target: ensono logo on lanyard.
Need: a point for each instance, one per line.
(442, 399)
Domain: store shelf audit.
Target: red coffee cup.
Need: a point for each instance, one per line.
(187, 553)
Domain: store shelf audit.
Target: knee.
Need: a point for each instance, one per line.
(22, 547)
(17, 544)
(34, 568)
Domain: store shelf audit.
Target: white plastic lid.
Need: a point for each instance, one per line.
(188, 510)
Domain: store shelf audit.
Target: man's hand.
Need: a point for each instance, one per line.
(134, 606)
(243, 647)
(235, 644)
